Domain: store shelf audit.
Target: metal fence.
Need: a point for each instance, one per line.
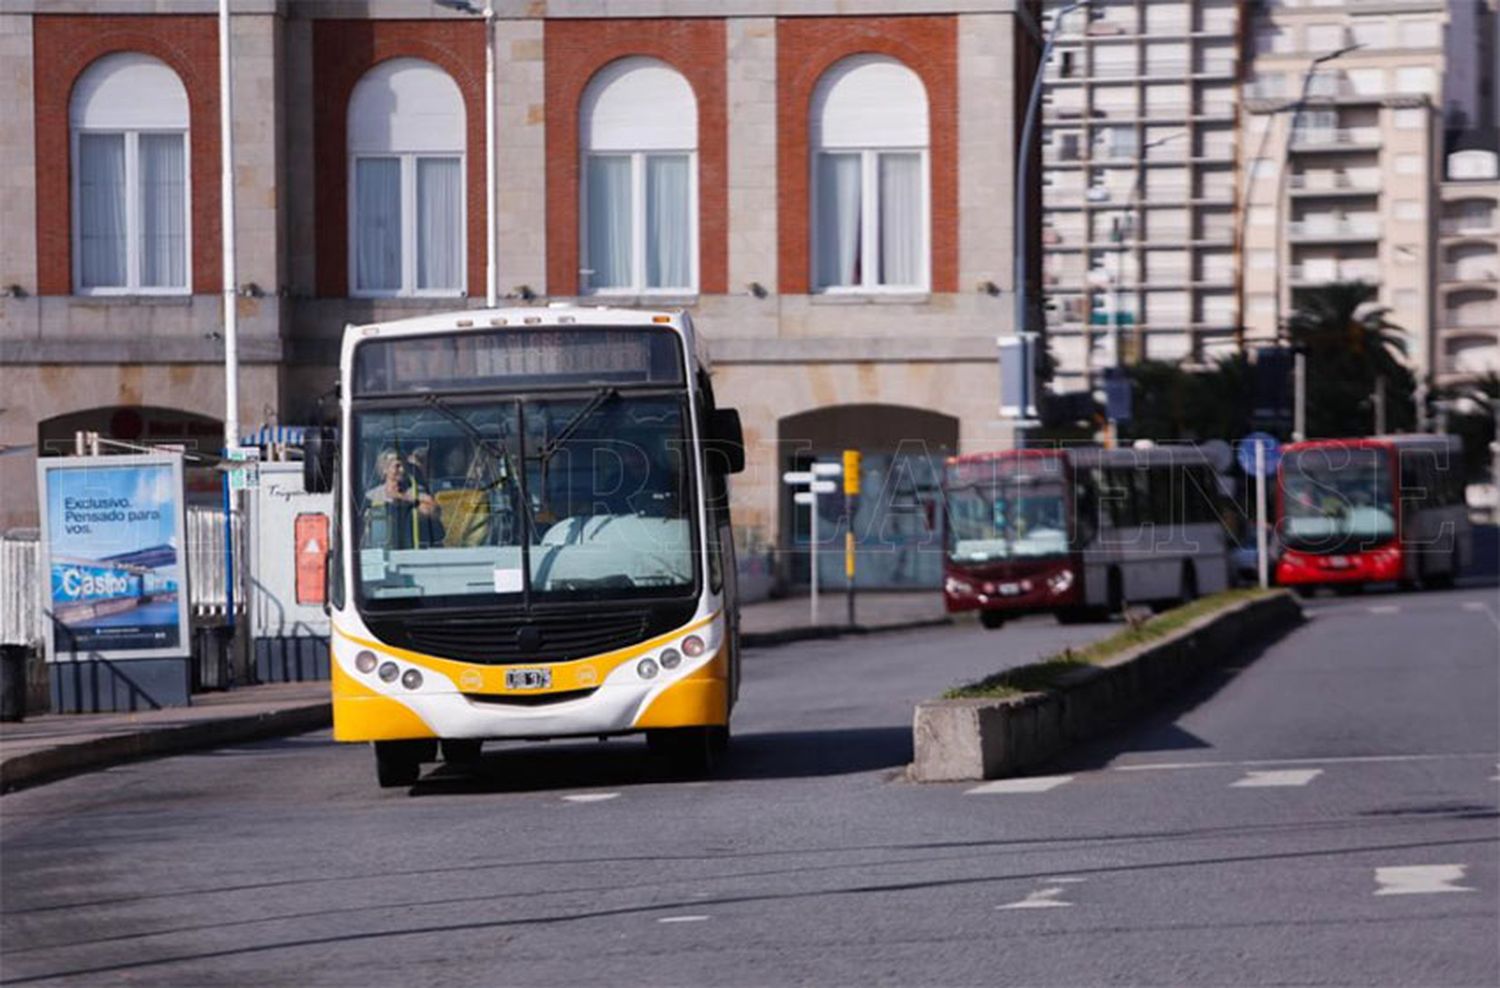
(20, 596)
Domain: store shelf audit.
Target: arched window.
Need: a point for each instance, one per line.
(869, 139)
(129, 122)
(638, 127)
(406, 181)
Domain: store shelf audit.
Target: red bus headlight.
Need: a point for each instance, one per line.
(1061, 581)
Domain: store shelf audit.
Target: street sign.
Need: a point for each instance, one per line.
(797, 477)
(1245, 451)
(1118, 403)
(824, 486)
(1018, 376)
(827, 469)
(805, 497)
(244, 468)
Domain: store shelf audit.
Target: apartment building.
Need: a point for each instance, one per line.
(831, 200)
(1139, 186)
(1468, 327)
(1344, 185)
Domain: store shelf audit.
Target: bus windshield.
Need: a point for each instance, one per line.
(1336, 499)
(554, 498)
(1008, 515)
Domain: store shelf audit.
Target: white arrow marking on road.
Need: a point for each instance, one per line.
(1037, 783)
(1420, 879)
(1049, 897)
(1385, 609)
(1285, 777)
(682, 919)
(590, 797)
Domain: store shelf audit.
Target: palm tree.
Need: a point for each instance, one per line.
(1351, 344)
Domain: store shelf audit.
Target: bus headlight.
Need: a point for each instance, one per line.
(411, 679)
(693, 646)
(389, 672)
(671, 658)
(1060, 581)
(365, 662)
(646, 668)
(956, 587)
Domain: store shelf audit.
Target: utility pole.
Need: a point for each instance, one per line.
(491, 267)
(1378, 399)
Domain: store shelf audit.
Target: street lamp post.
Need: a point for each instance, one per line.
(1023, 167)
(226, 223)
(1299, 358)
(491, 268)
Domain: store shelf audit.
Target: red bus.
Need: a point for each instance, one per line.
(1388, 509)
(1080, 532)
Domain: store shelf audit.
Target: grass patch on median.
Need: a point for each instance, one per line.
(1044, 674)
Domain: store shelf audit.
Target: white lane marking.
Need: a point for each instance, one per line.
(1475, 605)
(1496, 776)
(1385, 609)
(590, 797)
(682, 919)
(1420, 879)
(1047, 897)
(1286, 777)
(1062, 881)
(1347, 760)
(1036, 783)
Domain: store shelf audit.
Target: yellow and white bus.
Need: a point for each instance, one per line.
(532, 537)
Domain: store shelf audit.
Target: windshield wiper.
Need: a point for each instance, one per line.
(597, 401)
(498, 451)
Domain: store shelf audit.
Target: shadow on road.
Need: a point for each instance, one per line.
(625, 762)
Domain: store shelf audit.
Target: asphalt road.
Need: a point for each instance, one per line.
(1323, 814)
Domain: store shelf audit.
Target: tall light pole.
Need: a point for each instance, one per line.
(1299, 359)
(491, 267)
(1023, 168)
(226, 223)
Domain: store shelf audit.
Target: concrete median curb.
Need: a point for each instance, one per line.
(965, 739)
(62, 760)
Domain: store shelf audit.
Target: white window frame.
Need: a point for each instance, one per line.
(637, 286)
(408, 161)
(869, 222)
(133, 193)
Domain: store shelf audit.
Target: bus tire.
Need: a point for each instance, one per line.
(1189, 591)
(461, 752)
(992, 619)
(398, 763)
(688, 751)
(1115, 601)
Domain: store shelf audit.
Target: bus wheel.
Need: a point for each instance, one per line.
(398, 763)
(1116, 596)
(461, 752)
(688, 751)
(992, 619)
(1189, 591)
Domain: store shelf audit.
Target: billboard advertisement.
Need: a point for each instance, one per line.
(113, 547)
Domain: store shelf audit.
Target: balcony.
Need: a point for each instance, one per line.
(1336, 138)
(1454, 225)
(1472, 271)
(1471, 318)
(1305, 275)
(1334, 229)
(1337, 184)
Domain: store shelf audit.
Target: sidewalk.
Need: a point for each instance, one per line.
(777, 622)
(47, 747)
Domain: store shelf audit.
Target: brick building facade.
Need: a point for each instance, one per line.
(819, 352)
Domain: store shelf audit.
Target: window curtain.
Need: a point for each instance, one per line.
(377, 224)
(609, 227)
(838, 219)
(101, 210)
(439, 224)
(668, 222)
(163, 170)
(900, 219)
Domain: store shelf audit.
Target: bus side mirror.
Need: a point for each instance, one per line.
(318, 447)
(726, 441)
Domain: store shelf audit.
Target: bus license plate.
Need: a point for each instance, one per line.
(1009, 589)
(1338, 562)
(528, 679)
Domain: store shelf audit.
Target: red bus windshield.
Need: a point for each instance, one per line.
(1006, 509)
(1337, 499)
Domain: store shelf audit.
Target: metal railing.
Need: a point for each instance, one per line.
(1343, 272)
(20, 592)
(1335, 137)
(1468, 224)
(1472, 272)
(1334, 183)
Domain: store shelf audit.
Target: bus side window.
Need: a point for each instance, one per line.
(1086, 511)
(334, 569)
(718, 526)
